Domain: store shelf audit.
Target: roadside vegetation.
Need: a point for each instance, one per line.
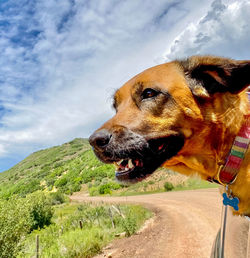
(81, 230)
(19, 217)
(64, 230)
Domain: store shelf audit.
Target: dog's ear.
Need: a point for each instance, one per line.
(216, 74)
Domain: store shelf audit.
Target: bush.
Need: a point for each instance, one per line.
(75, 187)
(61, 182)
(57, 198)
(50, 181)
(18, 217)
(129, 225)
(105, 189)
(28, 186)
(93, 191)
(15, 223)
(168, 186)
(40, 210)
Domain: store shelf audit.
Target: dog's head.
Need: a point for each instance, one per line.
(170, 111)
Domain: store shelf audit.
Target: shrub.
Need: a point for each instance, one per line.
(87, 177)
(93, 191)
(78, 180)
(61, 182)
(168, 186)
(40, 210)
(129, 225)
(18, 217)
(28, 186)
(57, 198)
(15, 223)
(50, 181)
(105, 189)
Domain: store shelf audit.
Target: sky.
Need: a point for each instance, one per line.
(61, 60)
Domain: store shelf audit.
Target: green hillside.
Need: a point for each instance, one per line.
(63, 168)
(73, 166)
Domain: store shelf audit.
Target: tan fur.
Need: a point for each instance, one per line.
(209, 126)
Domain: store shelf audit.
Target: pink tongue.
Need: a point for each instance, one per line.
(160, 147)
(137, 162)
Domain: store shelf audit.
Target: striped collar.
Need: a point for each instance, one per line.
(228, 172)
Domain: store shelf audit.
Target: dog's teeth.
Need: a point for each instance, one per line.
(119, 162)
(126, 169)
(130, 164)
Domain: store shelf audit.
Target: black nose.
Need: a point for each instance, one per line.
(100, 139)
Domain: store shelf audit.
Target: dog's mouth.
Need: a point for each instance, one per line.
(136, 166)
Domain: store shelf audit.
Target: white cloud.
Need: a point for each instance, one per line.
(224, 30)
(2, 150)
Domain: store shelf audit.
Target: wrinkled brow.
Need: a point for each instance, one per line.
(115, 100)
(135, 90)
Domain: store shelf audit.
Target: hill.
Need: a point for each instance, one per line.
(63, 168)
(72, 167)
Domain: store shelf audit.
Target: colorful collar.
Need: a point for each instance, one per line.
(227, 173)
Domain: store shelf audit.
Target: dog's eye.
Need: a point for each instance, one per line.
(149, 93)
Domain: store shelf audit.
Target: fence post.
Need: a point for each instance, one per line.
(37, 246)
(111, 216)
(61, 230)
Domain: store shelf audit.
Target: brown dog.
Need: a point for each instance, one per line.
(183, 115)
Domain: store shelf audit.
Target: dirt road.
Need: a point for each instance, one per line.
(185, 225)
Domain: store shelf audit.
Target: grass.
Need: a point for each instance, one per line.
(65, 237)
(189, 184)
(195, 183)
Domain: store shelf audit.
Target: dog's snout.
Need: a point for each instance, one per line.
(100, 139)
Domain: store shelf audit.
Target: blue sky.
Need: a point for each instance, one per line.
(61, 60)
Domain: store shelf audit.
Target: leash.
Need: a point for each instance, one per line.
(248, 242)
(223, 227)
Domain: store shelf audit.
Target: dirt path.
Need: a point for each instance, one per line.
(185, 225)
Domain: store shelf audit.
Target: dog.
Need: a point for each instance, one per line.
(183, 115)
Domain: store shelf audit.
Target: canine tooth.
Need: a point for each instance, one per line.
(130, 164)
(126, 169)
(119, 162)
(116, 165)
